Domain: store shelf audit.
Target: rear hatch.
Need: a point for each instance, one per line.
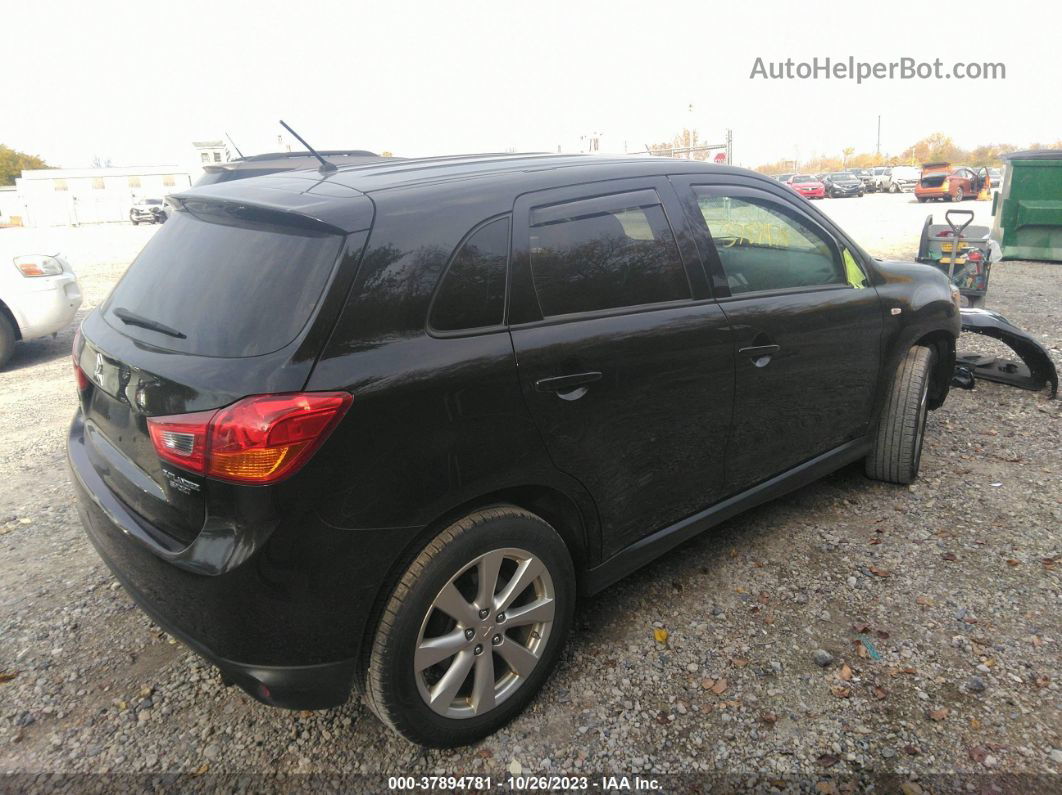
(234, 296)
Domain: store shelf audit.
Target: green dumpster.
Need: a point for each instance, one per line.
(1028, 210)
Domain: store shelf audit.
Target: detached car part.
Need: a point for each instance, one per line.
(1036, 370)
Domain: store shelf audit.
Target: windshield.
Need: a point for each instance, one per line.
(841, 176)
(213, 285)
(804, 178)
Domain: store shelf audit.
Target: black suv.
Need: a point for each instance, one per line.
(378, 427)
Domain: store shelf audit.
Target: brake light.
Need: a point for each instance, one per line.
(257, 440)
(79, 374)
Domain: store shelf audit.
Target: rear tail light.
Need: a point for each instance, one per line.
(79, 374)
(257, 440)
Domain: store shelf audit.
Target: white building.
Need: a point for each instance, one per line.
(74, 196)
(10, 206)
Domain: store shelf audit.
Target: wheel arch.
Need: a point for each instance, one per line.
(559, 510)
(10, 316)
(943, 345)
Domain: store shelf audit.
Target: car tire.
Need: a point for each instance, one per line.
(421, 703)
(959, 195)
(921, 199)
(894, 188)
(897, 451)
(7, 339)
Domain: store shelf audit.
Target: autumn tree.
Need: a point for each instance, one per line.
(12, 162)
(682, 140)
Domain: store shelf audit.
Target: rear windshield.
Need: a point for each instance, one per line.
(222, 286)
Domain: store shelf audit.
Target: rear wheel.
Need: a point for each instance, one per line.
(959, 195)
(473, 628)
(7, 339)
(897, 451)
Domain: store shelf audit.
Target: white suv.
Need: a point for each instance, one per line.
(39, 295)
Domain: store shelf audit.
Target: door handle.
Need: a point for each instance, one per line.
(568, 387)
(760, 354)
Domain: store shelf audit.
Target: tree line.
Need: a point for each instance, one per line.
(933, 148)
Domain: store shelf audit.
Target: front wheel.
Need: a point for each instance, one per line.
(897, 451)
(894, 188)
(959, 195)
(473, 628)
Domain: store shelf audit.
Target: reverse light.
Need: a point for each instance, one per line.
(257, 440)
(34, 265)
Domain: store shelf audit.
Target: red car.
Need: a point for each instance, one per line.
(807, 186)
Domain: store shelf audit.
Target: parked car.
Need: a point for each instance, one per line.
(151, 211)
(39, 295)
(841, 184)
(877, 178)
(942, 182)
(322, 467)
(276, 162)
(900, 179)
(807, 186)
(996, 175)
(864, 176)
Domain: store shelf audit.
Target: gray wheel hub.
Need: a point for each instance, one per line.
(484, 633)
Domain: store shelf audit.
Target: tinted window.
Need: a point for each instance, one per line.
(763, 246)
(605, 253)
(472, 293)
(231, 286)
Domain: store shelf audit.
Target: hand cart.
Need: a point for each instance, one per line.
(961, 251)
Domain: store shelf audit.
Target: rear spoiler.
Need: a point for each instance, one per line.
(286, 199)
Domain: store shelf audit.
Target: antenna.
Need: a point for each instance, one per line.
(326, 167)
(234, 145)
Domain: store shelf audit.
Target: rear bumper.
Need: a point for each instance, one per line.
(930, 193)
(286, 625)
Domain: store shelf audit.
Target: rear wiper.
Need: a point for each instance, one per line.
(133, 319)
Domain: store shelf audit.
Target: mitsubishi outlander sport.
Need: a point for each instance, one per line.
(375, 428)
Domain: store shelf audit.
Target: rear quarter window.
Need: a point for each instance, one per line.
(472, 292)
(233, 287)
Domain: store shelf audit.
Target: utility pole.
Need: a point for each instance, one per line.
(879, 135)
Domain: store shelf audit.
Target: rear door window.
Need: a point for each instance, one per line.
(222, 285)
(764, 246)
(605, 253)
(472, 292)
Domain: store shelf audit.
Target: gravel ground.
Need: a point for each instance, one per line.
(850, 630)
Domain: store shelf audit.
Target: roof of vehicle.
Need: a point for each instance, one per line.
(494, 176)
(392, 173)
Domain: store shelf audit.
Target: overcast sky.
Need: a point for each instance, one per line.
(136, 82)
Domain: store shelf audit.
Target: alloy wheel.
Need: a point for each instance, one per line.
(484, 633)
